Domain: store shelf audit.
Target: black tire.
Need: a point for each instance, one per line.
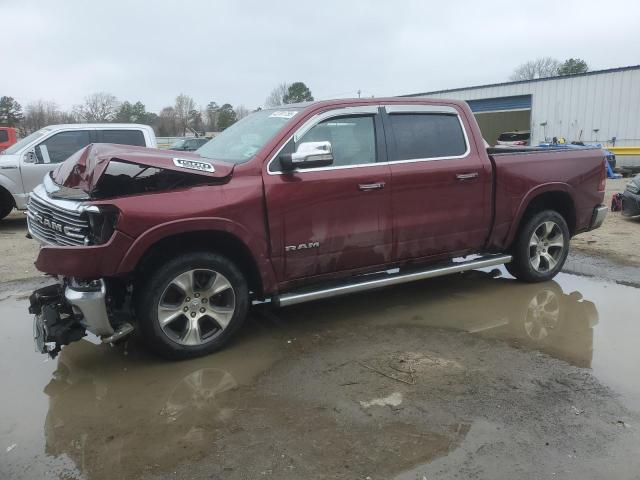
(6, 203)
(152, 295)
(552, 257)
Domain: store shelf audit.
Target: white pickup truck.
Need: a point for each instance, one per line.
(24, 164)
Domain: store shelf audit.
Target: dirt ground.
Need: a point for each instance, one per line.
(470, 376)
(618, 239)
(18, 253)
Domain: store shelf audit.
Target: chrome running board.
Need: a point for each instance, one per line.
(386, 279)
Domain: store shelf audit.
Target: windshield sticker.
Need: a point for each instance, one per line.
(283, 114)
(193, 165)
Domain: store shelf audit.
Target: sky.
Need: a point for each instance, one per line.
(238, 51)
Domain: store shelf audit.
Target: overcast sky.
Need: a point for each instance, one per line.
(237, 51)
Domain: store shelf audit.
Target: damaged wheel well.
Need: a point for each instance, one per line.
(209, 241)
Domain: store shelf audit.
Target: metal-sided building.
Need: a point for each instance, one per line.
(592, 107)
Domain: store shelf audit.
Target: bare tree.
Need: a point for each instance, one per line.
(241, 112)
(167, 122)
(540, 68)
(276, 97)
(41, 113)
(98, 107)
(184, 106)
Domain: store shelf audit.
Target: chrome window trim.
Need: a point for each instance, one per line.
(313, 121)
(413, 108)
(371, 109)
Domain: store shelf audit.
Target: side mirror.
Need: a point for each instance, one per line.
(30, 157)
(308, 155)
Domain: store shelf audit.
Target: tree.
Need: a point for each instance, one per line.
(539, 68)
(167, 122)
(195, 121)
(226, 116)
(10, 112)
(41, 113)
(571, 66)
(136, 113)
(241, 112)
(297, 92)
(276, 97)
(211, 113)
(98, 107)
(184, 105)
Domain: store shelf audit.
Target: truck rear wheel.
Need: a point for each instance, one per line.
(541, 247)
(192, 305)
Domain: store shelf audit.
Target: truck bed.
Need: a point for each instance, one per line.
(521, 174)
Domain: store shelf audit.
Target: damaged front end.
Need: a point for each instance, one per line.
(72, 216)
(65, 312)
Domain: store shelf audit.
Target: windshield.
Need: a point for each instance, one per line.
(177, 144)
(243, 139)
(26, 141)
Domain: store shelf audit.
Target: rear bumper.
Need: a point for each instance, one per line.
(598, 216)
(630, 204)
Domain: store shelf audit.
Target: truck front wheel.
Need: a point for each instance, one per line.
(541, 247)
(191, 305)
(6, 203)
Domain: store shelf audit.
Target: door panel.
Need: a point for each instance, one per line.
(337, 218)
(441, 186)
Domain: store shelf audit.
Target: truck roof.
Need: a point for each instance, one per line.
(69, 126)
(368, 101)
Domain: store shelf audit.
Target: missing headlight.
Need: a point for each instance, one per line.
(102, 223)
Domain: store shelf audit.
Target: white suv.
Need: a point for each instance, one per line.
(25, 163)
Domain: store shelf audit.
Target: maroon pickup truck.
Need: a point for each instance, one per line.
(292, 204)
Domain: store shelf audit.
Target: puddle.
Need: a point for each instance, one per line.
(102, 412)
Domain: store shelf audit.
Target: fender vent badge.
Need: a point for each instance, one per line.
(193, 164)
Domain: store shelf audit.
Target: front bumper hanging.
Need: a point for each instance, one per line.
(64, 314)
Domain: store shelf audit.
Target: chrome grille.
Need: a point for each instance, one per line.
(50, 222)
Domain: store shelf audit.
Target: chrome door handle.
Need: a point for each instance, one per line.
(365, 187)
(467, 176)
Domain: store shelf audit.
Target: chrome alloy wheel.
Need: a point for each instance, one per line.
(196, 307)
(546, 246)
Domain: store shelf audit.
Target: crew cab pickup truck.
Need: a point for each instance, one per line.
(25, 163)
(292, 204)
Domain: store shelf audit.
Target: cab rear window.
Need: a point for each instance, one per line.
(4, 136)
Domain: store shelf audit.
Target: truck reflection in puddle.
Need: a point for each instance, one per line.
(125, 415)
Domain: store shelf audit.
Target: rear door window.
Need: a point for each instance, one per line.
(61, 146)
(427, 135)
(123, 137)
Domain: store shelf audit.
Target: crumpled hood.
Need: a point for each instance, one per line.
(84, 168)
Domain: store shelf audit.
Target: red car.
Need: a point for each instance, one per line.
(7, 137)
(297, 203)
